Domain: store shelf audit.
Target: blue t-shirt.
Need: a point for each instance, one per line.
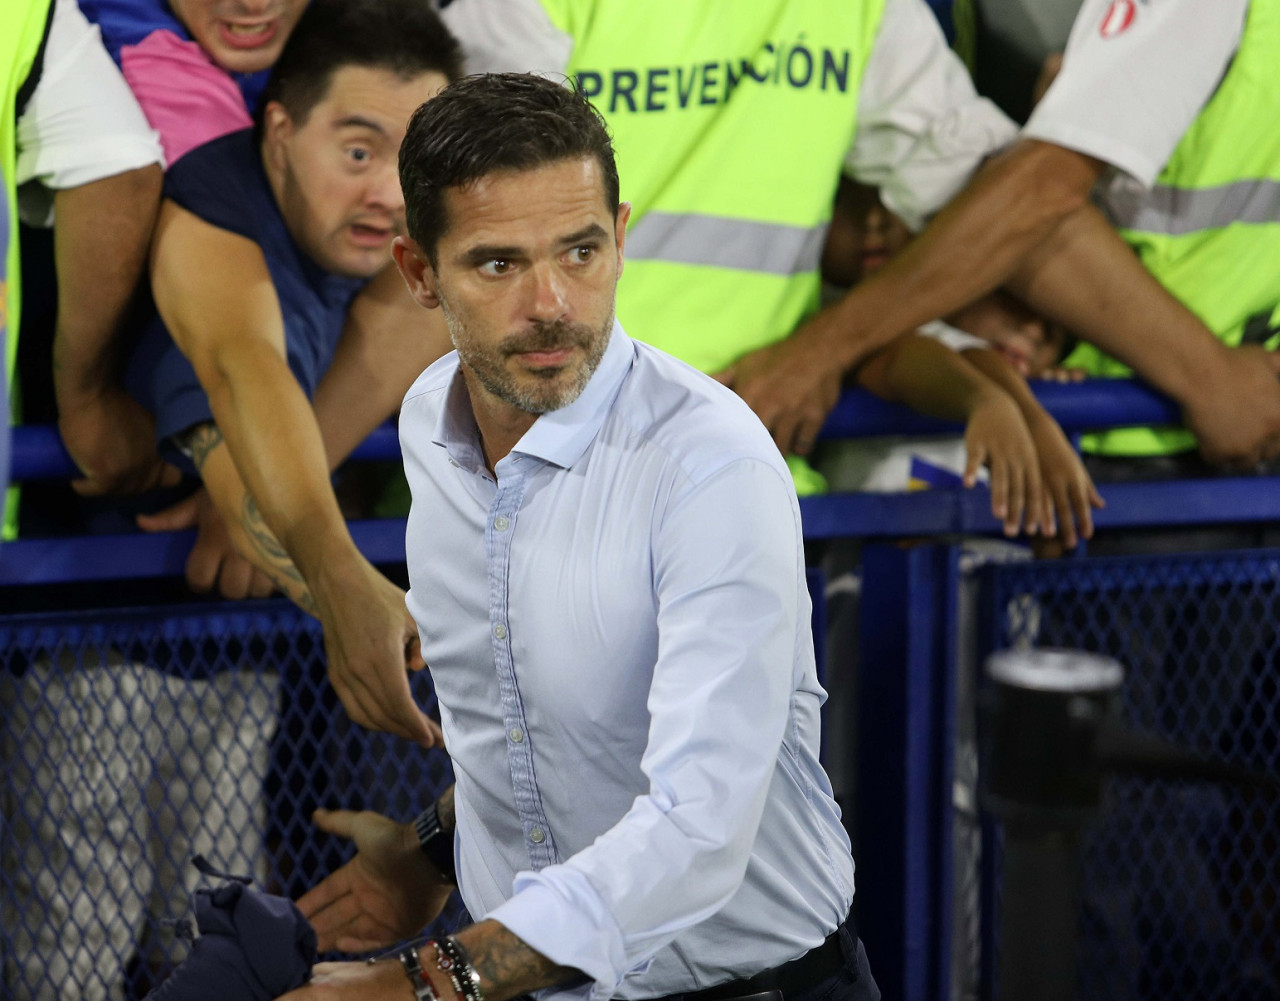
(128, 22)
(224, 184)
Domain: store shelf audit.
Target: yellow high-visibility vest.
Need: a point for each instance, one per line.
(731, 119)
(23, 24)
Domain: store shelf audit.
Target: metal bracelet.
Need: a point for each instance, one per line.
(422, 989)
(452, 959)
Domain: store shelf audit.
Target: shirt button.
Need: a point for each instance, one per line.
(501, 524)
(517, 735)
(536, 836)
(500, 631)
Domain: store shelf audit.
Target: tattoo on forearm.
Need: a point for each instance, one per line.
(507, 966)
(279, 567)
(199, 441)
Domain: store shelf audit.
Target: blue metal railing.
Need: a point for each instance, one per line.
(38, 453)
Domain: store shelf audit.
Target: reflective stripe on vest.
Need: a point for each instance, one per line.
(714, 241)
(1173, 211)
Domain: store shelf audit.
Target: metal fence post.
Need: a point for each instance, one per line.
(906, 723)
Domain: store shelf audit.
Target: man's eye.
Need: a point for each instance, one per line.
(496, 267)
(583, 254)
(359, 154)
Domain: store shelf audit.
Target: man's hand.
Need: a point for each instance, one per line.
(387, 892)
(996, 436)
(213, 559)
(1235, 413)
(112, 440)
(371, 639)
(791, 385)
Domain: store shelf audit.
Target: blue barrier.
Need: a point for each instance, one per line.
(38, 454)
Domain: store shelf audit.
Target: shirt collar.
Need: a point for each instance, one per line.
(558, 436)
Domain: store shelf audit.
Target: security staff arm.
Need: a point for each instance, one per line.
(101, 236)
(214, 292)
(1025, 220)
(972, 246)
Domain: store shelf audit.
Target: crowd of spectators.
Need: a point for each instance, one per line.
(221, 335)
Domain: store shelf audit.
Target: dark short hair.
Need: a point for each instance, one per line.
(404, 37)
(489, 123)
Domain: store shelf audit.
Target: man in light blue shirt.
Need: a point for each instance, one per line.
(607, 573)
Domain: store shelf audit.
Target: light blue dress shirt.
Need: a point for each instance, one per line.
(618, 630)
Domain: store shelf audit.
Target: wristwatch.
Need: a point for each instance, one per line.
(436, 844)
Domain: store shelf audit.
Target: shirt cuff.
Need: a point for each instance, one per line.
(558, 913)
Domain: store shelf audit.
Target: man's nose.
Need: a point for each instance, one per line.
(547, 293)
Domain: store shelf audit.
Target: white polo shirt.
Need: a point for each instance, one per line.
(82, 123)
(1135, 75)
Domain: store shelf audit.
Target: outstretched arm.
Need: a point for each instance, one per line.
(214, 291)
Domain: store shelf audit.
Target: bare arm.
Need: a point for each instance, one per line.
(1025, 221)
(387, 341)
(215, 294)
(1085, 277)
(933, 379)
(507, 966)
(249, 533)
(102, 233)
(1015, 202)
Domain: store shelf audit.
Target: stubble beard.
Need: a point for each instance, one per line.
(540, 391)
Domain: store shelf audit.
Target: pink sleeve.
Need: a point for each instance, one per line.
(186, 98)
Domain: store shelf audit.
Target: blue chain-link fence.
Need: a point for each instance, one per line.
(131, 741)
(1180, 896)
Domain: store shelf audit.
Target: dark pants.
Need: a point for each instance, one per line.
(853, 982)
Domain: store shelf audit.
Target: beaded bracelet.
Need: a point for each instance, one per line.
(452, 960)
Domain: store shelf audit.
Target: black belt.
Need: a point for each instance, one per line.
(795, 977)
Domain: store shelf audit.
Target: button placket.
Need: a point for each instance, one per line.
(499, 540)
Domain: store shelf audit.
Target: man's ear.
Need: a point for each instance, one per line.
(277, 126)
(620, 232)
(416, 270)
